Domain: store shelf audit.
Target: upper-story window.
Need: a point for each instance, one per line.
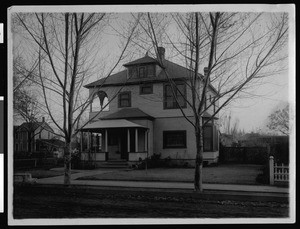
(141, 71)
(180, 95)
(125, 99)
(100, 102)
(146, 88)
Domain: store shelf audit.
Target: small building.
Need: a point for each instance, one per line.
(142, 116)
(27, 134)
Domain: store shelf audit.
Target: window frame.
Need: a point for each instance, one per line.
(211, 137)
(145, 71)
(146, 84)
(129, 99)
(175, 105)
(165, 135)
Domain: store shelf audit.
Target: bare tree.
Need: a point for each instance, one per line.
(279, 121)
(66, 49)
(237, 49)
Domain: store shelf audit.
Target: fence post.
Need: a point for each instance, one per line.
(271, 170)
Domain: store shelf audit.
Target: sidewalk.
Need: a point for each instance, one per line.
(159, 185)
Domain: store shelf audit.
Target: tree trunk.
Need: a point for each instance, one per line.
(67, 177)
(199, 160)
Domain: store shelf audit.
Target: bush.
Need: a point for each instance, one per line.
(263, 178)
(155, 161)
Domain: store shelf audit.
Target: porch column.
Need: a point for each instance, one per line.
(146, 140)
(105, 139)
(128, 140)
(136, 140)
(89, 141)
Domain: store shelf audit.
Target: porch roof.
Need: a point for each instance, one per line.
(115, 123)
(128, 113)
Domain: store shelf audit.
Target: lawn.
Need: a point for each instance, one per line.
(222, 174)
(41, 172)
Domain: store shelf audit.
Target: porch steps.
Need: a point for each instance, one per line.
(114, 164)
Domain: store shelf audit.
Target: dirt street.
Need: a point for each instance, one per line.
(61, 202)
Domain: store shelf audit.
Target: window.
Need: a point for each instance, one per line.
(142, 72)
(125, 99)
(146, 89)
(207, 138)
(132, 72)
(210, 137)
(180, 92)
(151, 70)
(174, 139)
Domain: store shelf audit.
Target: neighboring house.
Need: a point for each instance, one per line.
(51, 147)
(27, 134)
(142, 117)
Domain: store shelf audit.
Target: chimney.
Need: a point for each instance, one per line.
(43, 119)
(161, 52)
(205, 70)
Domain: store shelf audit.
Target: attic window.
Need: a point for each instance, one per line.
(142, 72)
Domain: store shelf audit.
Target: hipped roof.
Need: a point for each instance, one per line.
(174, 71)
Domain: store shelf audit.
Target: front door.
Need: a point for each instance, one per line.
(123, 138)
(114, 152)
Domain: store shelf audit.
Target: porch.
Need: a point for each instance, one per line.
(115, 140)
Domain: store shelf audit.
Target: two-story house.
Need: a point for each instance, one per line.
(27, 135)
(140, 116)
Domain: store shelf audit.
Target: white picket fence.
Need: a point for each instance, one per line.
(278, 173)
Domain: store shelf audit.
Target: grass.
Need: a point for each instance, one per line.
(41, 172)
(222, 174)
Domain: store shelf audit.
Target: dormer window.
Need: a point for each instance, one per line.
(141, 71)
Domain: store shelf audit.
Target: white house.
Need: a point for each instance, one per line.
(140, 116)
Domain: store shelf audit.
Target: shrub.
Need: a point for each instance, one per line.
(263, 178)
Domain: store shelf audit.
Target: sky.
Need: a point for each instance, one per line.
(251, 113)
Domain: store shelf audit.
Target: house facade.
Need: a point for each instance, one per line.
(26, 136)
(136, 114)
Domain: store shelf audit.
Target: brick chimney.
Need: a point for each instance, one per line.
(161, 52)
(43, 119)
(205, 70)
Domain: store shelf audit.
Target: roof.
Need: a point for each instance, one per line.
(144, 60)
(175, 71)
(107, 124)
(33, 125)
(126, 113)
